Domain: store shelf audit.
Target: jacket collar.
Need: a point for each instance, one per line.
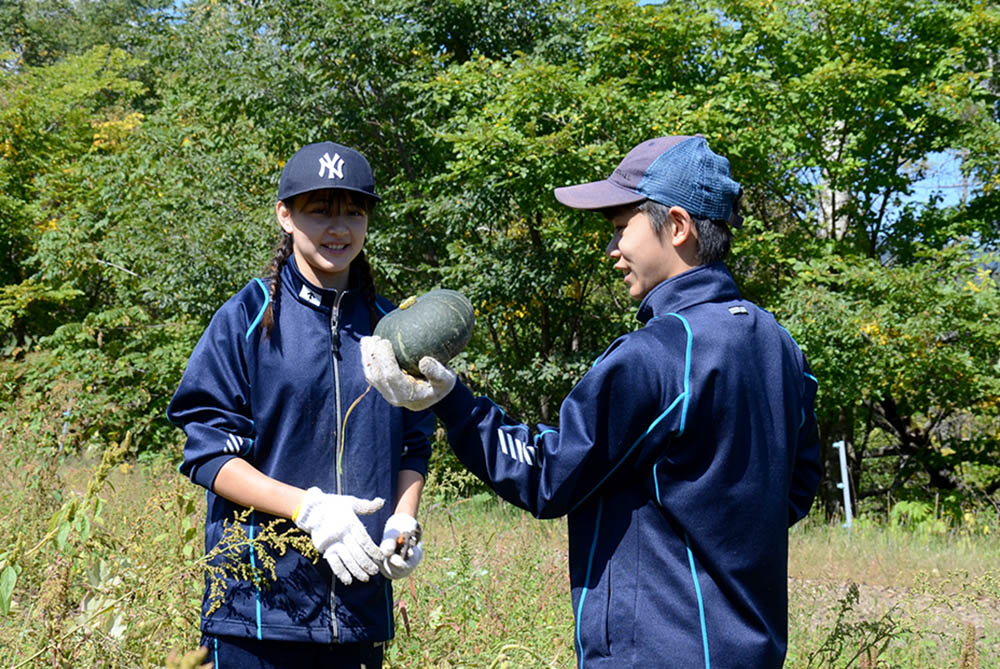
(705, 283)
(306, 293)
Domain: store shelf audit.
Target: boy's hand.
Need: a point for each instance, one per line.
(396, 386)
(400, 546)
(337, 533)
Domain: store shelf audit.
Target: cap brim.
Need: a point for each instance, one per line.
(597, 195)
(294, 192)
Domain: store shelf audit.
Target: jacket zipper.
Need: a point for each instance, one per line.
(335, 355)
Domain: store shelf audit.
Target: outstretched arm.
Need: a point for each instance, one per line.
(618, 411)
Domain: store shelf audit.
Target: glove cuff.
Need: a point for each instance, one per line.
(308, 503)
(401, 522)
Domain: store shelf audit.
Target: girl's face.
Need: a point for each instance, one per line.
(328, 229)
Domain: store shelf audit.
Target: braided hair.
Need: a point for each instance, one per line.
(283, 251)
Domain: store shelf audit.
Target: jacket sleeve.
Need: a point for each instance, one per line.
(608, 422)
(212, 402)
(418, 427)
(807, 468)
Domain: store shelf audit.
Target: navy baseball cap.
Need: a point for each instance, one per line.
(326, 165)
(675, 170)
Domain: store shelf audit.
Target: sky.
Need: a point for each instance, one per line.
(944, 176)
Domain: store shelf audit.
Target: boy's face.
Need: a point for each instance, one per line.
(646, 257)
(328, 229)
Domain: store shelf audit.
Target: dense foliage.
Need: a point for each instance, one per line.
(140, 143)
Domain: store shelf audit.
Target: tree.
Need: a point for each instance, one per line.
(471, 113)
(841, 97)
(910, 353)
(52, 118)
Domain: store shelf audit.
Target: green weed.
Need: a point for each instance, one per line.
(105, 567)
(861, 641)
(888, 594)
(112, 575)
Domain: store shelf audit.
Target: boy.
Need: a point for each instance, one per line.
(682, 456)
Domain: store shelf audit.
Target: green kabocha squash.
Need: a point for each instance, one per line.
(438, 323)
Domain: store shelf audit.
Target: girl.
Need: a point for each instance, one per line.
(279, 420)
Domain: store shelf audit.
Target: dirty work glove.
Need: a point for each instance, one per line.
(332, 522)
(398, 387)
(401, 546)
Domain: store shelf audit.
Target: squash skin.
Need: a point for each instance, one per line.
(438, 323)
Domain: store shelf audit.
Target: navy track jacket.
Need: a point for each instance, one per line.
(682, 457)
(284, 404)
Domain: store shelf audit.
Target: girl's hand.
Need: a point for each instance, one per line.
(332, 522)
(401, 546)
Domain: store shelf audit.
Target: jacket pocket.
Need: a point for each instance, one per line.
(594, 602)
(592, 617)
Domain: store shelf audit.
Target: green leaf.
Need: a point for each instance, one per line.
(8, 577)
(63, 535)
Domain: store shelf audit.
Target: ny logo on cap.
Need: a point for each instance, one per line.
(334, 166)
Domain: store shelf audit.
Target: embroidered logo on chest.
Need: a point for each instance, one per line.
(310, 296)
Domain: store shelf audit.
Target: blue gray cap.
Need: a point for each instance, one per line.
(326, 165)
(674, 171)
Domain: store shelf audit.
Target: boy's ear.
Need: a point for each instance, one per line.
(284, 215)
(683, 230)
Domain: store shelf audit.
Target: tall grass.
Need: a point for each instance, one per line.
(107, 558)
(926, 595)
(493, 591)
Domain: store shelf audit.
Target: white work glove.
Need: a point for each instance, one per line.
(337, 533)
(396, 386)
(401, 546)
